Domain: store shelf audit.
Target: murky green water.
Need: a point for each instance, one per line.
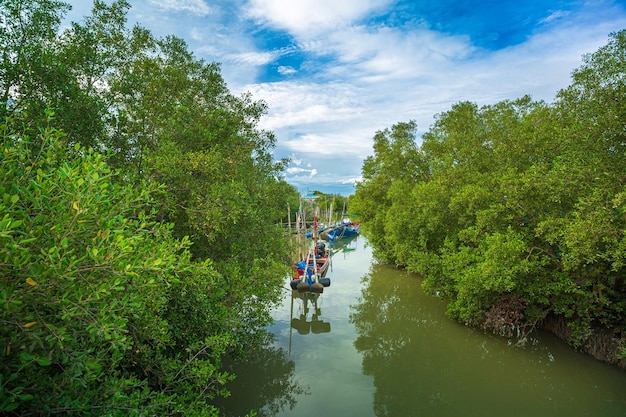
(373, 344)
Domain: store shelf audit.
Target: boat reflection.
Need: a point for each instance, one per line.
(307, 303)
(347, 244)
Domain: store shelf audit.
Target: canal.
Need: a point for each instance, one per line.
(373, 344)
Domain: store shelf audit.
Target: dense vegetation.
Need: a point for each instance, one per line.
(136, 220)
(515, 212)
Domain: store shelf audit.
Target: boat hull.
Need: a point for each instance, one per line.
(344, 230)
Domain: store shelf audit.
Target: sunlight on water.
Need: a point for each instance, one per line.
(373, 344)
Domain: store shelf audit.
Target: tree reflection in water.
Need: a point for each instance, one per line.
(424, 364)
(386, 319)
(265, 383)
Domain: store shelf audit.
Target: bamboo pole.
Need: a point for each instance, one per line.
(329, 214)
(289, 218)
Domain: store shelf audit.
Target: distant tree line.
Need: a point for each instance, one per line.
(139, 218)
(331, 206)
(515, 212)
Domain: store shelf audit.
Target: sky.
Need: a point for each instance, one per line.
(335, 72)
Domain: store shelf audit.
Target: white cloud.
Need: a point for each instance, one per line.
(309, 144)
(296, 170)
(310, 17)
(300, 102)
(353, 180)
(252, 58)
(294, 160)
(386, 54)
(197, 7)
(331, 144)
(286, 70)
(556, 15)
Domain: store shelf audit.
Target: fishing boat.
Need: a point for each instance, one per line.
(345, 229)
(309, 274)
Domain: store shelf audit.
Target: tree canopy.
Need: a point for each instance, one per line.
(139, 218)
(513, 211)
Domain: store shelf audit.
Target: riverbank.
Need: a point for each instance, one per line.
(602, 344)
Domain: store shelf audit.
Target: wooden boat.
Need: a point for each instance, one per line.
(309, 274)
(345, 229)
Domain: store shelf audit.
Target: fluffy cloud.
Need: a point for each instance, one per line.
(307, 18)
(286, 70)
(300, 102)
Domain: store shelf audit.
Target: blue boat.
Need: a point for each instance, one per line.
(345, 229)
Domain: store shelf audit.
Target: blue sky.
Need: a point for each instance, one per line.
(333, 72)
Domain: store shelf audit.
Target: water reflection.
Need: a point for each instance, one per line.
(307, 303)
(344, 245)
(265, 383)
(426, 365)
(392, 352)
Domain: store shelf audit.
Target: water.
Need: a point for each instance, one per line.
(373, 344)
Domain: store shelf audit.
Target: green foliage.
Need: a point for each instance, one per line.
(27, 28)
(395, 167)
(139, 238)
(102, 310)
(177, 124)
(514, 210)
(161, 115)
(64, 73)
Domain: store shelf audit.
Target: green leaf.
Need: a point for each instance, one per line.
(26, 357)
(44, 361)
(10, 406)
